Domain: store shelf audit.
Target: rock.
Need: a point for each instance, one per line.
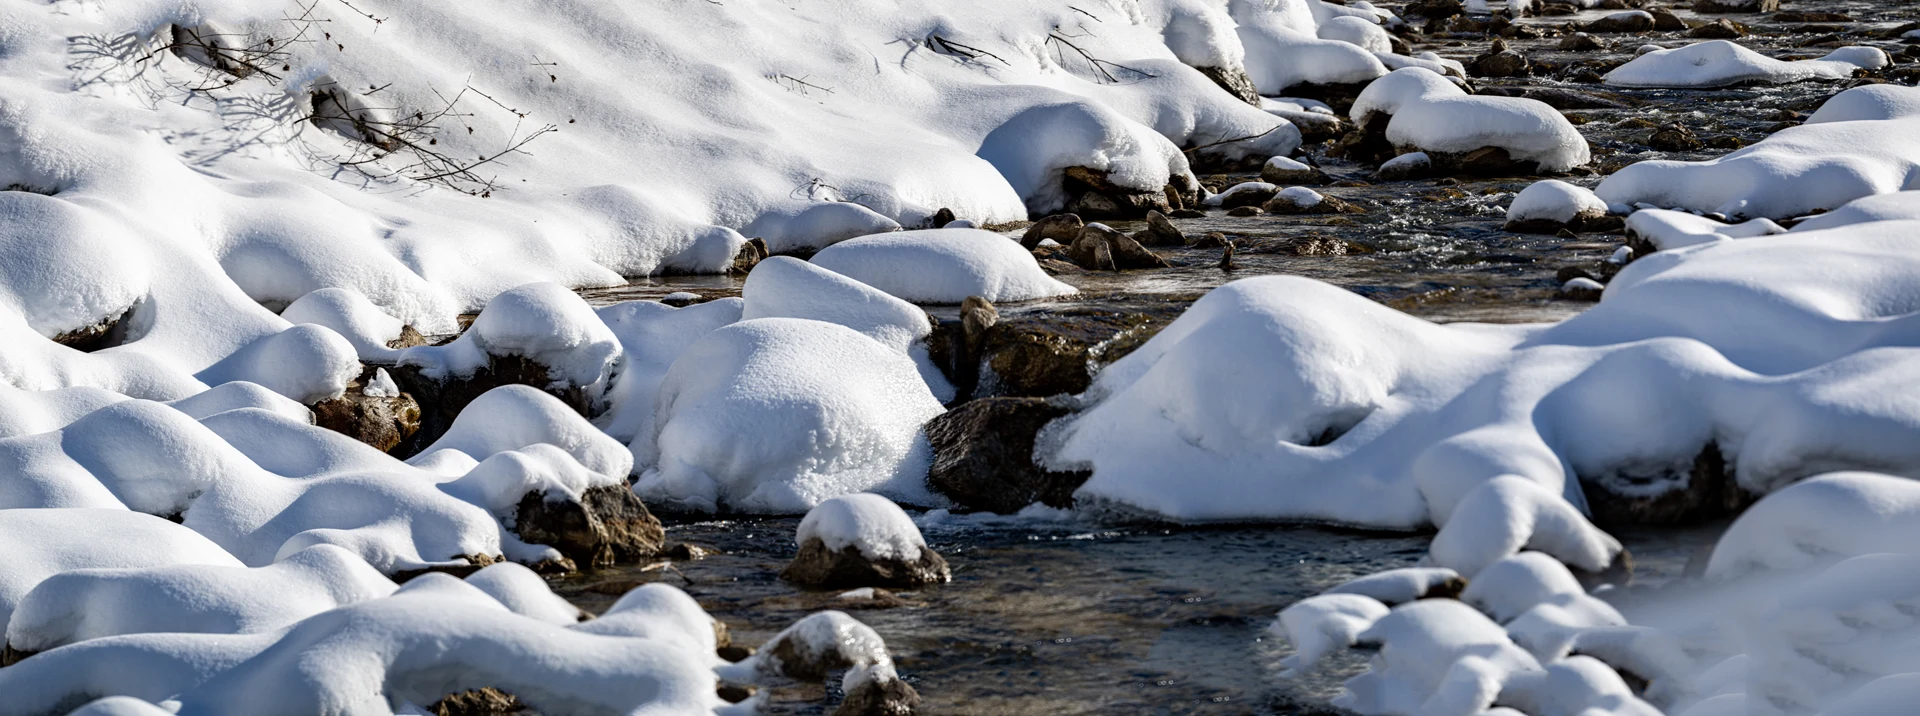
(1735, 6)
(1581, 42)
(1209, 240)
(1187, 214)
(1559, 9)
(1675, 137)
(1160, 232)
(1435, 11)
(817, 567)
(1318, 246)
(1412, 165)
(1100, 248)
(1693, 493)
(1062, 228)
(1235, 81)
(409, 337)
(983, 456)
(1226, 258)
(1615, 5)
(943, 217)
(750, 255)
(1301, 200)
(108, 332)
(1726, 141)
(1487, 161)
(1665, 21)
(884, 697)
(1499, 62)
(1247, 194)
(1582, 289)
(1243, 211)
(384, 421)
(441, 400)
(1339, 96)
(1630, 21)
(608, 525)
(1288, 172)
(1044, 354)
(1722, 29)
(479, 702)
(1093, 195)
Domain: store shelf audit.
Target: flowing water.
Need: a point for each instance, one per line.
(1066, 617)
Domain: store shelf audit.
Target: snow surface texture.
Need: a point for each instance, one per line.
(943, 266)
(871, 523)
(1361, 415)
(1718, 63)
(1430, 113)
(1553, 200)
(1798, 170)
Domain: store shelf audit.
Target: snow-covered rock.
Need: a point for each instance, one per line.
(1424, 111)
(943, 266)
(817, 226)
(1718, 63)
(1549, 205)
(862, 540)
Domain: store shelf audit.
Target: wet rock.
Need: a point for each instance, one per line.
(887, 697)
(1062, 228)
(1287, 172)
(1244, 211)
(1226, 258)
(1485, 161)
(1235, 81)
(607, 525)
(1318, 246)
(1735, 6)
(473, 563)
(1582, 289)
(1726, 141)
(384, 419)
(1160, 232)
(1435, 11)
(732, 693)
(1249, 194)
(817, 567)
(1722, 29)
(1301, 200)
(1094, 196)
(1630, 21)
(943, 217)
(983, 456)
(1679, 494)
(1367, 142)
(479, 702)
(1665, 21)
(1187, 214)
(1675, 137)
(442, 399)
(1581, 42)
(1413, 165)
(1519, 32)
(1100, 248)
(1615, 5)
(1209, 240)
(1499, 61)
(409, 337)
(749, 256)
(1040, 355)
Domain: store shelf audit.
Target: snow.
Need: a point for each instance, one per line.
(1409, 162)
(1899, 205)
(307, 363)
(943, 266)
(829, 410)
(42, 543)
(651, 336)
(1284, 48)
(542, 322)
(1318, 625)
(1718, 63)
(525, 593)
(1365, 34)
(1287, 164)
(348, 313)
(867, 522)
(1553, 200)
(1868, 102)
(1793, 172)
(512, 417)
(783, 287)
(1255, 188)
(1668, 229)
(1427, 112)
(817, 226)
(1299, 196)
(1396, 586)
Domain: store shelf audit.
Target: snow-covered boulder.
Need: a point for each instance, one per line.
(539, 334)
(1868, 102)
(816, 226)
(1718, 63)
(349, 313)
(943, 266)
(1895, 206)
(1547, 206)
(862, 540)
(778, 414)
(47, 542)
(1416, 109)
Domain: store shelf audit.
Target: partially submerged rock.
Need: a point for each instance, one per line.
(1100, 248)
(1091, 194)
(1160, 232)
(1499, 61)
(1289, 172)
(607, 525)
(1062, 228)
(1045, 354)
(983, 456)
(1628, 21)
(862, 540)
(1301, 200)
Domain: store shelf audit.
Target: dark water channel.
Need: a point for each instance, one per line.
(1068, 617)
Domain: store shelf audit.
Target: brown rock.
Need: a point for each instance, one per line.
(817, 567)
(983, 456)
(1243, 211)
(1722, 29)
(1675, 137)
(607, 525)
(384, 422)
(442, 399)
(1093, 195)
(1735, 6)
(1693, 493)
(749, 256)
(108, 332)
(1499, 62)
(1581, 42)
(943, 217)
(1160, 232)
(1062, 228)
(479, 702)
(1235, 81)
(1621, 22)
(1044, 354)
(1100, 248)
(1665, 21)
(1282, 203)
(1209, 240)
(892, 697)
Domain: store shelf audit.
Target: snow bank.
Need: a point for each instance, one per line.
(1284, 47)
(1793, 172)
(1897, 206)
(651, 336)
(1426, 112)
(829, 411)
(943, 266)
(1718, 63)
(348, 313)
(871, 523)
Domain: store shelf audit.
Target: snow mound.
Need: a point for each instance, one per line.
(542, 322)
(828, 411)
(1284, 47)
(871, 523)
(1398, 586)
(307, 363)
(42, 543)
(943, 266)
(784, 287)
(1553, 200)
(1718, 63)
(1868, 102)
(1896, 206)
(348, 313)
(1316, 626)
(817, 226)
(1665, 229)
(651, 336)
(512, 417)
(1426, 112)
(1793, 172)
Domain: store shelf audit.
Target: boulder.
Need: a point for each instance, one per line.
(1100, 248)
(1499, 61)
(1093, 195)
(1721, 29)
(1675, 137)
(441, 400)
(1062, 228)
(1235, 81)
(1160, 232)
(1581, 42)
(943, 217)
(1301, 200)
(750, 255)
(1665, 21)
(1674, 495)
(1045, 354)
(879, 697)
(478, 702)
(373, 411)
(108, 332)
(983, 456)
(1288, 172)
(1629, 21)
(607, 525)
(817, 567)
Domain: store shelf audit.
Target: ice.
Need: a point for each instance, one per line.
(1430, 113)
(1718, 63)
(943, 266)
(867, 522)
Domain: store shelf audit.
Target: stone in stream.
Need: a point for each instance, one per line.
(1630, 21)
(1675, 137)
(862, 540)
(1289, 172)
(983, 456)
(608, 525)
(1735, 6)
(1226, 258)
(1093, 195)
(1686, 493)
(1435, 11)
(1582, 289)
(1240, 211)
(1209, 240)
(373, 411)
(1301, 200)
(831, 641)
(1499, 61)
(1100, 248)
(479, 702)
(1665, 21)
(1045, 354)
(1160, 232)
(1581, 42)
(1062, 228)
(441, 399)
(1722, 29)
(749, 256)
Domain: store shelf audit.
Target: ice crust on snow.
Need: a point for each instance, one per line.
(1718, 63)
(1427, 112)
(867, 522)
(943, 266)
